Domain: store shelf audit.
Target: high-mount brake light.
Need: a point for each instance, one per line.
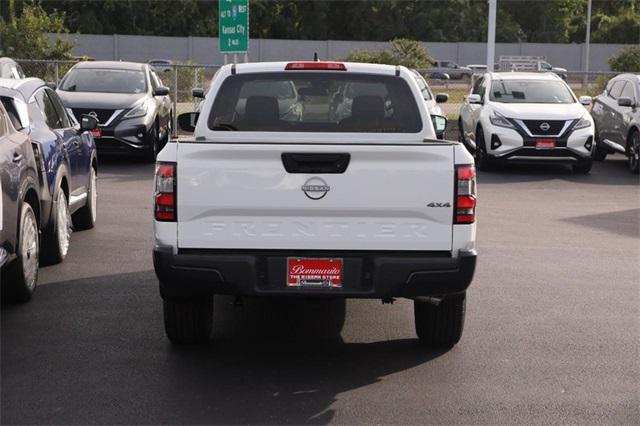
(465, 208)
(312, 65)
(165, 207)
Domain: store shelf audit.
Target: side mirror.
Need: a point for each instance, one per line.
(88, 123)
(625, 102)
(585, 100)
(188, 120)
(161, 91)
(474, 99)
(51, 85)
(442, 98)
(197, 92)
(439, 124)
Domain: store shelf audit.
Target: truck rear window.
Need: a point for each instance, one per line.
(315, 102)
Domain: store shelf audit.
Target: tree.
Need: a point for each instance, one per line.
(402, 51)
(26, 36)
(627, 60)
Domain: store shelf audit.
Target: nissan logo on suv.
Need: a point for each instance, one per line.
(545, 127)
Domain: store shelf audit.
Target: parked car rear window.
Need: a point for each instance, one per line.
(104, 81)
(315, 102)
(530, 92)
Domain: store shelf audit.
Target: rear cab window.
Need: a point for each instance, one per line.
(303, 101)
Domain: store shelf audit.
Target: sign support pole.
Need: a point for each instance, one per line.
(585, 82)
(491, 35)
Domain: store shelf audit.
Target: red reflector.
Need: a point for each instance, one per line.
(164, 199)
(465, 218)
(466, 172)
(165, 216)
(331, 66)
(466, 202)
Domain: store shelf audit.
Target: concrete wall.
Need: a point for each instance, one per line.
(204, 50)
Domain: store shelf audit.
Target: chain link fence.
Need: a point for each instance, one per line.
(181, 78)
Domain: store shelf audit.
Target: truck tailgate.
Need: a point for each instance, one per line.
(241, 196)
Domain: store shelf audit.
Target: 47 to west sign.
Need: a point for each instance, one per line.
(233, 26)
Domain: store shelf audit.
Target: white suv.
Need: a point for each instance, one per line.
(526, 117)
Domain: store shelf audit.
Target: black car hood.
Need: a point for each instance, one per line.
(100, 100)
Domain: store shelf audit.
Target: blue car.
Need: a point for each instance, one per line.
(67, 161)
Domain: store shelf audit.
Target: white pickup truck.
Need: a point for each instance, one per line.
(280, 193)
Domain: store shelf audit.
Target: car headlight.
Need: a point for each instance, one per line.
(500, 120)
(138, 111)
(582, 124)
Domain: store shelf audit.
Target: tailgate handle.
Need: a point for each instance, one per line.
(315, 163)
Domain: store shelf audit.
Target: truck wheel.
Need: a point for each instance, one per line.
(583, 166)
(22, 274)
(441, 325)
(188, 321)
(57, 235)
(85, 218)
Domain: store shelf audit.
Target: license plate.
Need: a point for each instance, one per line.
(306, 272)
(97, 132)
(545, 144)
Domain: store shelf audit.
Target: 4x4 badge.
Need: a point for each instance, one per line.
(433, 204)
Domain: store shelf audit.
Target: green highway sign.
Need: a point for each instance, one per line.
(233, 27)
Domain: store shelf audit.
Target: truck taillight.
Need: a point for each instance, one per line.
(465, 208)
(165, 207)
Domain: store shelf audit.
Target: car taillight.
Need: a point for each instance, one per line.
(38, 157)
(313, 65)
(465, 209)
(165, 207)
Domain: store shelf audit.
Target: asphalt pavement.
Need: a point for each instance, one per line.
(552, 332)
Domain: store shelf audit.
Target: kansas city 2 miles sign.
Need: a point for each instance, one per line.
(233, 26)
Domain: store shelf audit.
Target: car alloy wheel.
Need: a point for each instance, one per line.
(29, 250)
(93, 196)
(63, 223)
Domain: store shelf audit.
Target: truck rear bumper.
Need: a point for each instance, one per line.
(366, 274)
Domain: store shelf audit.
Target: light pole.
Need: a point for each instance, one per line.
(491, 35)
(586, 60)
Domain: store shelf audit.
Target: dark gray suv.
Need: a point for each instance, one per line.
(133, 108)
(616, 113)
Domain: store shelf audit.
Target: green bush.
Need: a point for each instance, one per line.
(627, 60)
(26, 36)
(402, 51)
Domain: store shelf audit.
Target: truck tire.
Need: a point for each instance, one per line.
(188, 321)
(441, 325)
